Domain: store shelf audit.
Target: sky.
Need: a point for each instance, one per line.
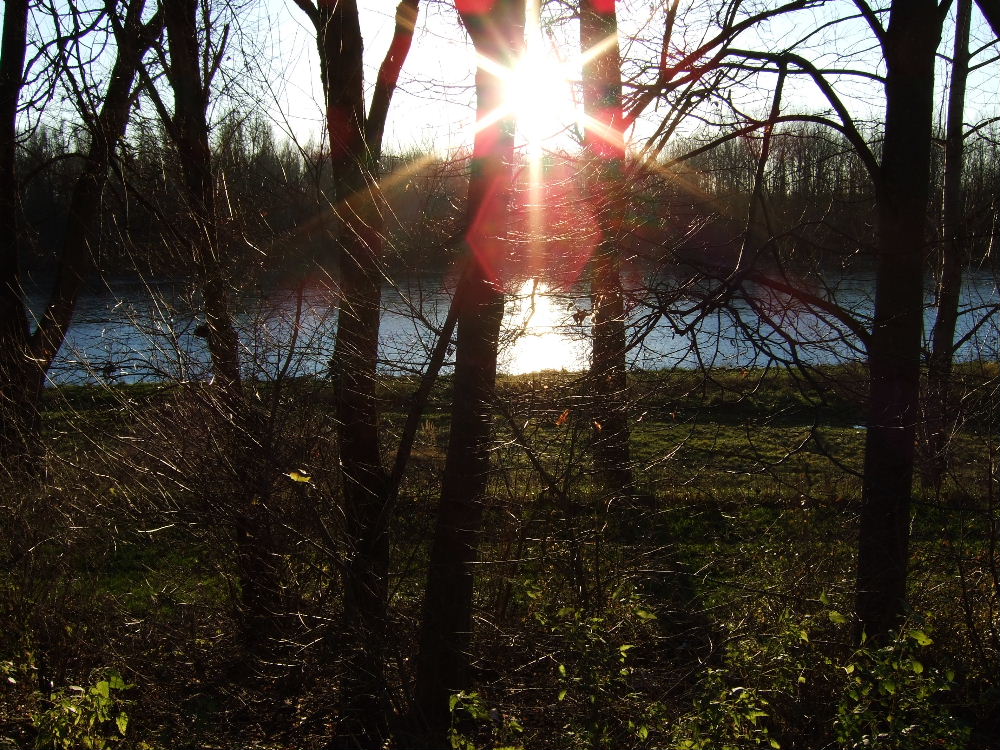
(433, 108)
(276, 65)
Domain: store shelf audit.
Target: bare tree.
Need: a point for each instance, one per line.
(497, 33)
(909, 43)
(953, 262)
(76, 259)
(902, 179)
(604, 144)
(190, 72)
(17, 414)
(107, 128)
(355, 145)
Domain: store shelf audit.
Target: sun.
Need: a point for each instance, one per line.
(539, 94)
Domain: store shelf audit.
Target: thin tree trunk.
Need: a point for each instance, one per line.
(77, 259)
(443, 661)
(260, 599)
(604, 142)
(190, 133)
(355, 144)
(18, 415)
(940, 416)
(909, 44)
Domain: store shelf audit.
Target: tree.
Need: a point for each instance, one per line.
(355, 146)
(30, 354)
(908, 43)
(17, 417)
(902, 179)
(190, 81)
(954, 252)
(604, 147)
(497, 33)
(107, 128)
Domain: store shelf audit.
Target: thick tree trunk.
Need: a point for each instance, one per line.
(604, 141)
(443, 660)
(894, 353)
(939, 413)
(18, 416)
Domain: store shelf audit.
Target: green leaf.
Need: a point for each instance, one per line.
(645, 614)
(804, 635)
(562, 669)
(836, 618)
(921, 637)
(918, 668)
(103, 688)
(116, 682)
(775, 744)
(562, 695)
(824, 599)
(889, 686)
(643, 733)
(122, 722)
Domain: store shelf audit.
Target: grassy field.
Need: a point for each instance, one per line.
(711, 608)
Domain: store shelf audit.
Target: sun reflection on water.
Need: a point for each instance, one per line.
(546, 331)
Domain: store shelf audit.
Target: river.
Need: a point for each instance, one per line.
(127, 330)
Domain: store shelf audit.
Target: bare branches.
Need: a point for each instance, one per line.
(847, 122)
(705, 57)
(388, 74)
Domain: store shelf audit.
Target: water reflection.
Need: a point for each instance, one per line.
(545, 331)
(129, 331)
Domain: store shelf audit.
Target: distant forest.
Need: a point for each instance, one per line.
(819, 201)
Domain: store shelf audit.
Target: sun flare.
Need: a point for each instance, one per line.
(538, 90)
(539, 93)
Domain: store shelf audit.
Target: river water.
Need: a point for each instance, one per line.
(127, 330)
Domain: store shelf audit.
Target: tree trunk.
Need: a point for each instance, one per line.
(260, 599)
(355, 144)
(77, 259)
(446, 626)
(363, 710)
(604, 142)
(940, 415)
(18, 416)
(903, 192)
(190, 134)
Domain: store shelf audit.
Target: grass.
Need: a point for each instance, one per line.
(742, 535)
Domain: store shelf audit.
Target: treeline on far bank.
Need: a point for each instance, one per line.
(276, 209)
